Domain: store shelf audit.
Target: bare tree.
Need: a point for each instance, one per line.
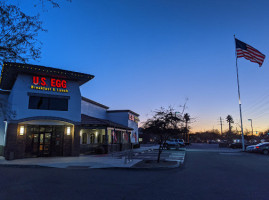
(19, 31)
(165, 123)
(54, 3)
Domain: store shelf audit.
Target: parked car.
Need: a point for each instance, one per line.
(212, 142)
(259, 148)
(181, 142)
(250, 148)
(172, 143)
(223, 143)
(237, 145)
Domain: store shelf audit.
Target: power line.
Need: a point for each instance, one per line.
(257, 100)
(257, 107)
(263, 115)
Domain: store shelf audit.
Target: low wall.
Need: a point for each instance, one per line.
(102, 148)
(88, 148)
(119, 147)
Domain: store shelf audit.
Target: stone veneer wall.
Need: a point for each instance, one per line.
(15, 144)
(12, 150)
(76, 141)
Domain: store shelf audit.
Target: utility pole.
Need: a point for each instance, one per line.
(220, 125)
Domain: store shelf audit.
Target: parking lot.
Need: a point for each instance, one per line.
(212, 174)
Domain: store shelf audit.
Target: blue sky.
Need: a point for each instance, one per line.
(151, 53)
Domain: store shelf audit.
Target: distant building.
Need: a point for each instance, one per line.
(42, 113)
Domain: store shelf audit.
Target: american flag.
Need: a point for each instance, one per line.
(248, 52)
(126, 137)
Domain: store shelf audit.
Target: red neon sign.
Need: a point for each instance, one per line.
(58, 83)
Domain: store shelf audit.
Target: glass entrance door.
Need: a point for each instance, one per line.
(44, 140)
(41, 144)
(47, 144)
(44, 144)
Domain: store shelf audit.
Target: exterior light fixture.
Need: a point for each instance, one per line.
(68, 130)
(21, 130)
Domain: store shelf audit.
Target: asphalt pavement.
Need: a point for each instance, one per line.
(205, 175)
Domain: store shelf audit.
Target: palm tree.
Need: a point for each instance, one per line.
(230, 120)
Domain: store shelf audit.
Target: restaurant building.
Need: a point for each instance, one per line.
(120, 126)
(42, 113)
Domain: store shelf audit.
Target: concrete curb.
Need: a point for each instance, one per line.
(23, 166)
(178, 164)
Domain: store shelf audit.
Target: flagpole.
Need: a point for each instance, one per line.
(243, 141)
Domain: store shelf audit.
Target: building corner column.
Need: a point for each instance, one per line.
(15, 144)
(106, 141)
(76, 141)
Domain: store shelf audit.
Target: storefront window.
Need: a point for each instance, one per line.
(42, 129)
(125, 137)
(99, 138)
(119, 136)
(114, 137)
(92, 138)
(58, 104)
(84, 138)
(109, 132)
(41, 103)
(48, 103)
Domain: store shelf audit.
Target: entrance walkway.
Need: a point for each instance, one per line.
(84, 161)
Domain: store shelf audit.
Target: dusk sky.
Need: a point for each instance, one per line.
(145, 54)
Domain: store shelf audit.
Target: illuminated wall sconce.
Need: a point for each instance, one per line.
(22, 130)
(68, 130)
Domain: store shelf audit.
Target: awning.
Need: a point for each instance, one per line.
(88, 121)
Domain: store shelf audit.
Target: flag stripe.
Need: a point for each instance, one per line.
(249, 55)
(251, 58)
(257, 54)
(253, 54)
(246, 53)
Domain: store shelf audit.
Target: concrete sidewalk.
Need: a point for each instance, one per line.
(83, 161)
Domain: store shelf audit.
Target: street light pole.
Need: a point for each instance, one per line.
(251, 125)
